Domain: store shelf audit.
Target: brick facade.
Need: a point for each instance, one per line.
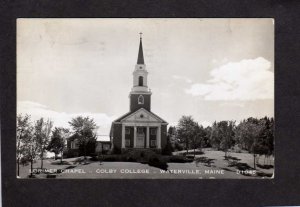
(134, 105)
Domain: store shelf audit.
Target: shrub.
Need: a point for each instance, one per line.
(57, 158)
(236, 148)
(156, 161)
(112, 158)
(105, 152)
(192, 153)
(178, 146)
(140, 155)
(24, 161)
(88, 149)
(190, 156)
(94, 157)
(116, 150)
(168, 149)
(179, 159)
(71, 153)
(130, 159)
(51, 176)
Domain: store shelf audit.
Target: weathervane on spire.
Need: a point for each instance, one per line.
(141, 35)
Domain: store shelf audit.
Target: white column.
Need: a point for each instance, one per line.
(123, 136)
(147, 137)
(158, 137)
(134, 137)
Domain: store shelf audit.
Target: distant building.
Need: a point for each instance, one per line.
(72, 147)
(102, 146)
(140, 128)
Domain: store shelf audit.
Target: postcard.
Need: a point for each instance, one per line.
(145, 98)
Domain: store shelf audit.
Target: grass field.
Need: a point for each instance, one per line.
(209, 165)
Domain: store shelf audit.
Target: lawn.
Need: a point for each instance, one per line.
(209, 165)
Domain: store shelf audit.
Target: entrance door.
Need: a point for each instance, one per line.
(140, 137)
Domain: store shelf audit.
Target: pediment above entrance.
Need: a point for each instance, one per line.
(142, 115)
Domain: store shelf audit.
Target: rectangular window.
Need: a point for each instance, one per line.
(127, 142)
(153, 143)
(153, 131)
(127, 130)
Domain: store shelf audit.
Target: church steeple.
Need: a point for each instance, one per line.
(140, 59)
(140, 95)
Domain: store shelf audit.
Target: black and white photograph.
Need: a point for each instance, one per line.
(145, 98)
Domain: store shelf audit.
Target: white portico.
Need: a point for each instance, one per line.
(141, 129)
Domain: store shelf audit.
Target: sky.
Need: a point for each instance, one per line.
(211, 69)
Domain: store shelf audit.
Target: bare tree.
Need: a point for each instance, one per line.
(24, 131)
(42, 134)
(31, 150)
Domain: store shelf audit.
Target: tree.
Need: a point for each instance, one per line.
(199, 138)
(168, 149)
(84, 128)
(206, 140)
(265, 142)
(31, 147)
(227, 133)
(248, 135)
(172, 131)
(172, 137)
(222, 135)
(24, 131)
(57, 142)
(42, 133)
(215, 139)
(186, 131)
(268, 134)
(270, 137)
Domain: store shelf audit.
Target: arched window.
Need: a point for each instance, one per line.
(141, 99)
(140, 80)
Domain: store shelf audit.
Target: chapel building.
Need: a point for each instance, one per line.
(140, 128)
